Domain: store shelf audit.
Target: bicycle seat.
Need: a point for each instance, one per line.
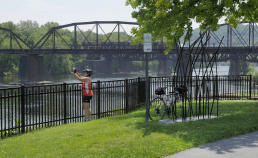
(160, 91)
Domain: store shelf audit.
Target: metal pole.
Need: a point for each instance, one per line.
(147, 89)
(54, 41)
(11, 44)
(126, 97)
(118, 35)
(23, 108)
(75, 37)
(250, 87)
(138, 96)
(98, 99)
(147, 48)
(253, 36)
(65, 103)
(97, 35)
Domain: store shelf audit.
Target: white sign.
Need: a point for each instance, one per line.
(147, 41)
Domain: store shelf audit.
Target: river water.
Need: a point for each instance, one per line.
(70, 78)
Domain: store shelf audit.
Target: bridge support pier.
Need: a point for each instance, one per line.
(183, 67)
(124, 65)
(237, 67)
(31, 68)
(163, 69)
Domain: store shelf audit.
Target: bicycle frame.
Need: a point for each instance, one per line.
(166, 104)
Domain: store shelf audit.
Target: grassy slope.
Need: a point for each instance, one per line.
(127, 135)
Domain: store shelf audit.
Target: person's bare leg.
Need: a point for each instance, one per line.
(87, 110)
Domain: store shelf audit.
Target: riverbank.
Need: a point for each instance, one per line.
(31, 83)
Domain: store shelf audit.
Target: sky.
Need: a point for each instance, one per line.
(64, 11)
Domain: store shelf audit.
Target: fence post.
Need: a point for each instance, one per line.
(98, 103)
(250, 88)
(65, 103)
(139, 82)
(126, 96)
(217, 94)
(23, 108)
(254, 81)
(150, 88)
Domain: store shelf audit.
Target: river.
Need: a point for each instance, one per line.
(70, 78)
(7, 81)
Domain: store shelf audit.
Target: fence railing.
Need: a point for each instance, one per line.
(227, 87)
(203, 93)
(31, 107)
(27, 108)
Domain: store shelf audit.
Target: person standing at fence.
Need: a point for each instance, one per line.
(86, 91)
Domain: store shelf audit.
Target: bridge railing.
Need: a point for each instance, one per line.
(120, 45)
(27, 108)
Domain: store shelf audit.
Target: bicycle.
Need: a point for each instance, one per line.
(158, 106)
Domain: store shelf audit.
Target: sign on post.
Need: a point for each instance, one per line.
(147, 47)
(147, 42)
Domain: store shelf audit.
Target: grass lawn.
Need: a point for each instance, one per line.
(127, 135)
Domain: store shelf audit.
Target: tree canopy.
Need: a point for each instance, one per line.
(172, 18)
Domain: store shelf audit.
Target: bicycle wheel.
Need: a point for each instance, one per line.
(157, 109)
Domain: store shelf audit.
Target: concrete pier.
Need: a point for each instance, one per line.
(31, 68)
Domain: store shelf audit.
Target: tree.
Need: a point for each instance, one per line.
(172, 18)
(8, 63)
(28, 31)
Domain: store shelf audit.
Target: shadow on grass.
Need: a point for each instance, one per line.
(236, 118)
(204, 131)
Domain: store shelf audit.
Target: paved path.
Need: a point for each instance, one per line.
(244, 146)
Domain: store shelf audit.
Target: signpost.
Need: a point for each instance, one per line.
(147, 47)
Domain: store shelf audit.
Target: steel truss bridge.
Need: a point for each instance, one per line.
(87, 38)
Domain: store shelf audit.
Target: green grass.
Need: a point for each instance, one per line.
(127, 135)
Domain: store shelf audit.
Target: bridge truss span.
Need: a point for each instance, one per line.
(11, 43)
(114, 38)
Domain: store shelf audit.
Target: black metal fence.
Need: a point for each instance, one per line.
(236, 87)
(31, 107)
(201, 99)
(27, 108)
